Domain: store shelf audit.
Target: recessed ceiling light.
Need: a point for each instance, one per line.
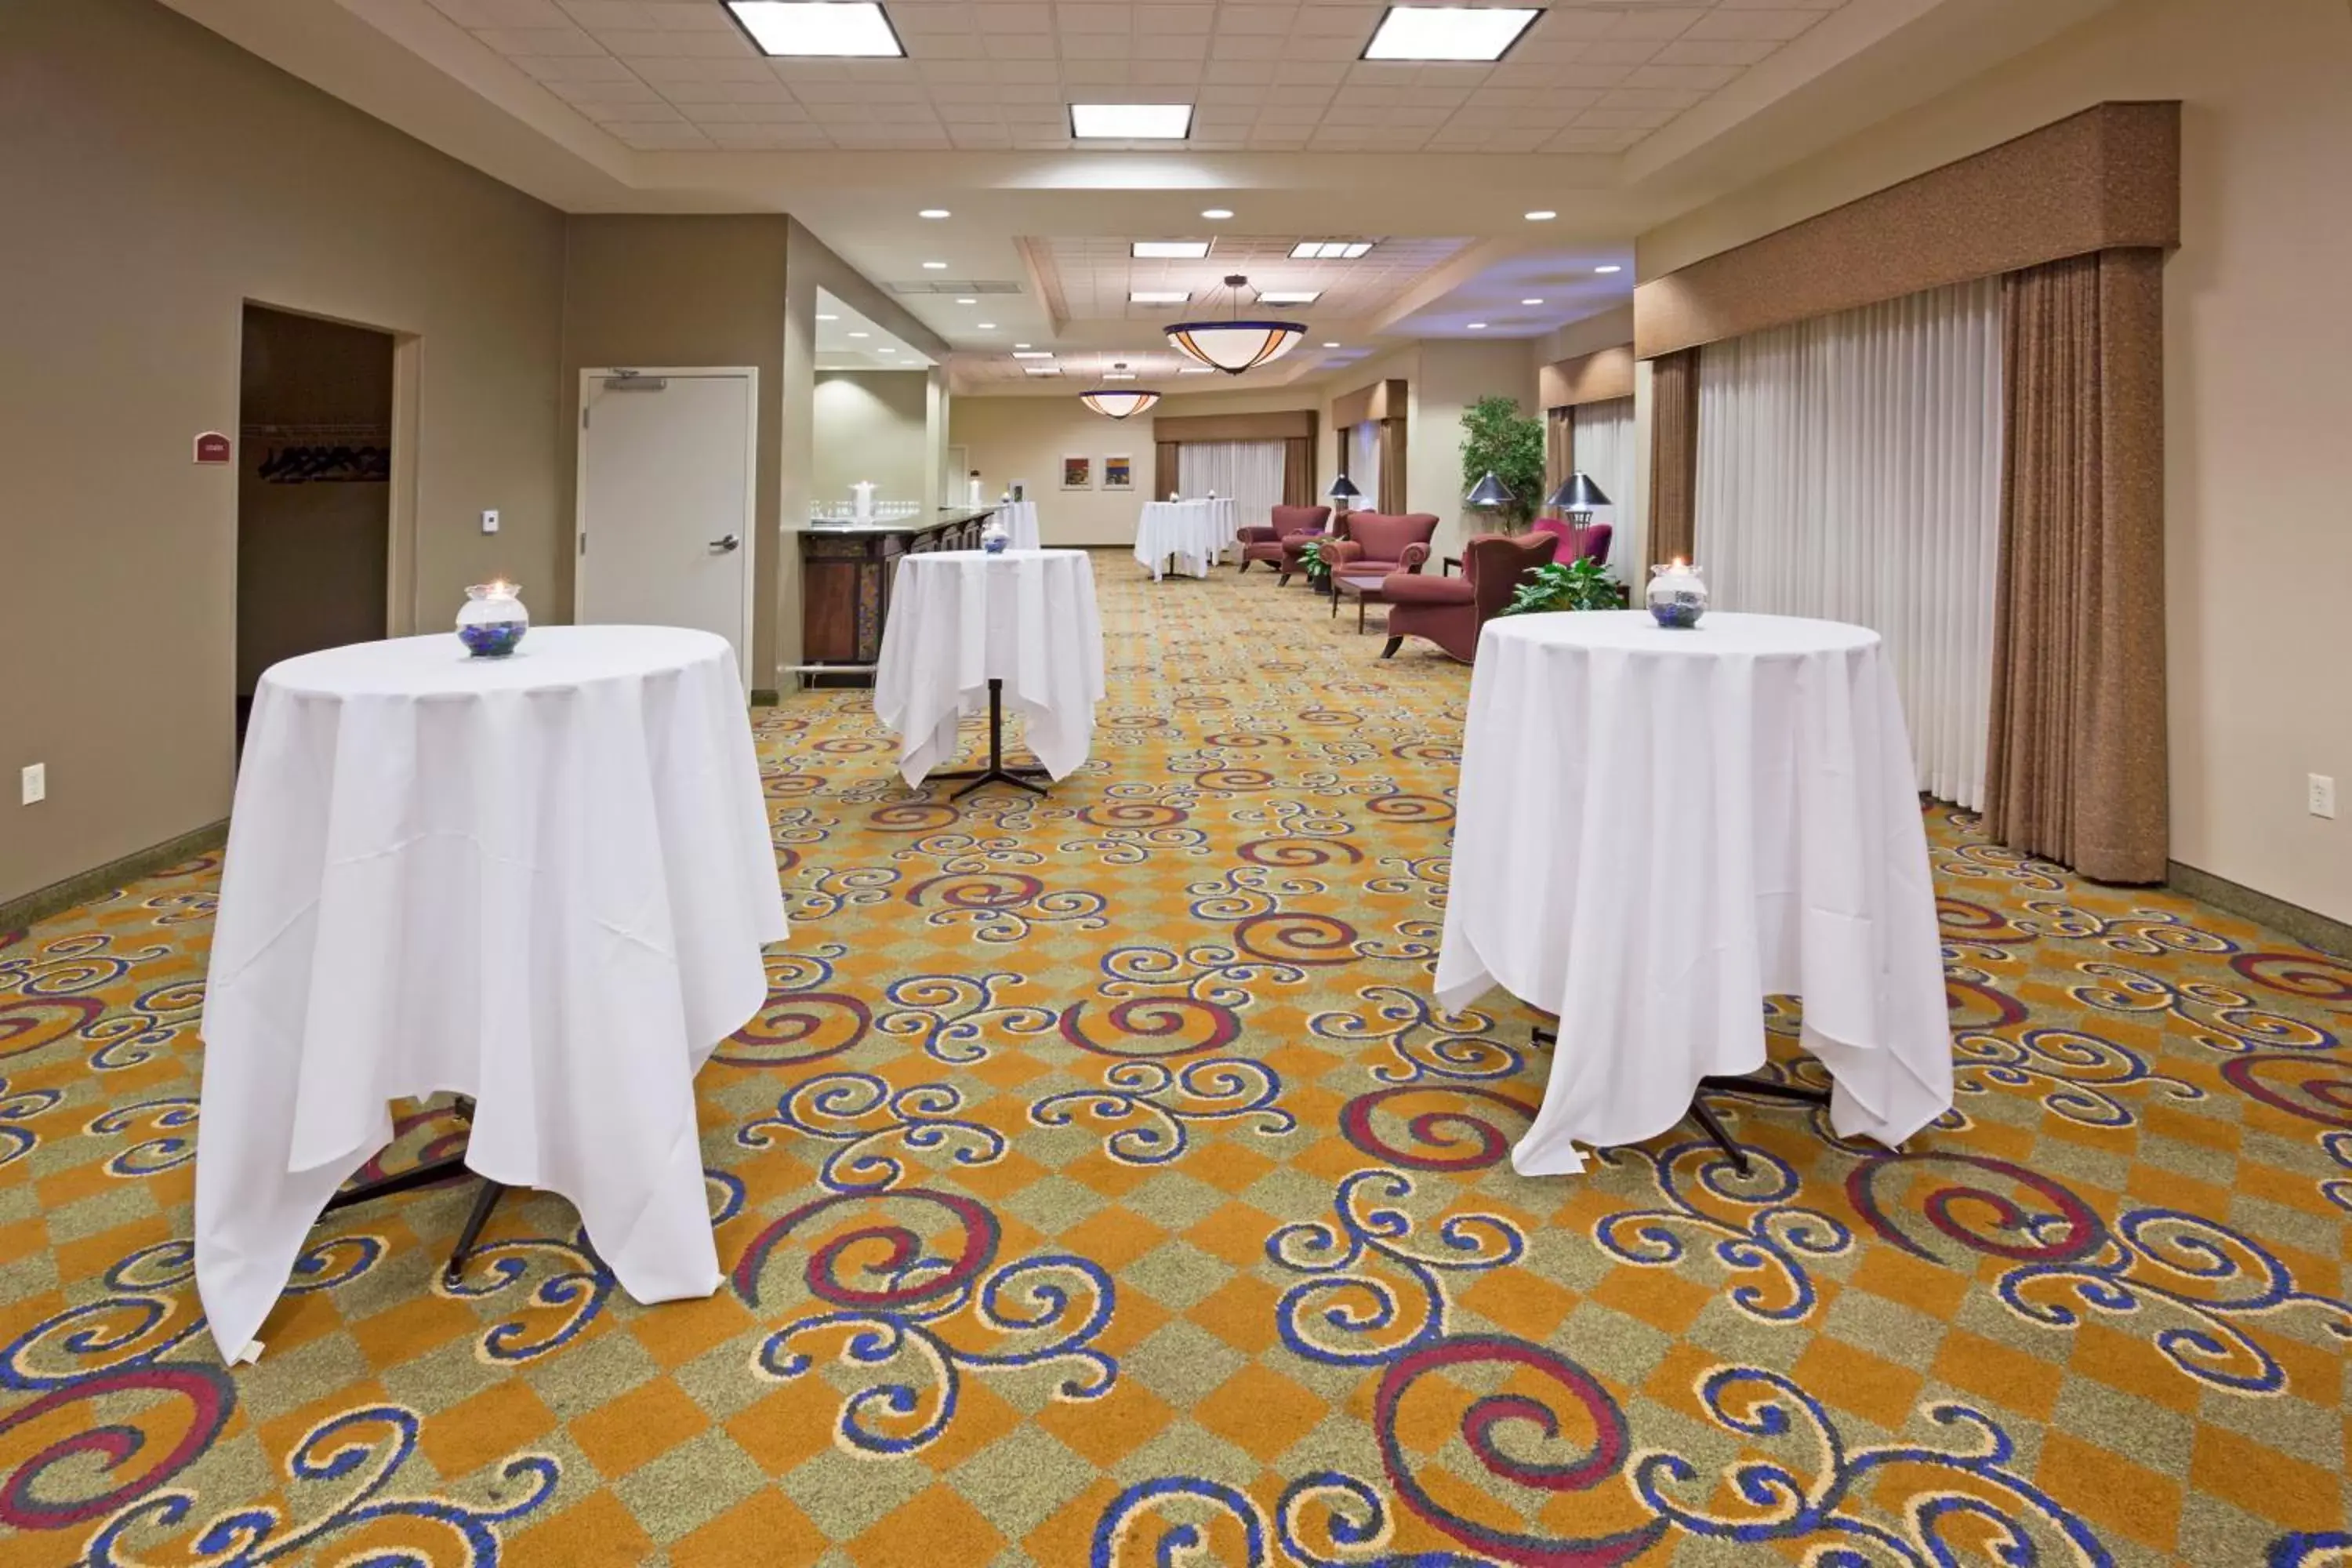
(966, 301)
(935, 212)
(935, 267)
(861, 335)
(1290, 296)
(1531, 302)
(983, 326)
(1329, 249)
(1330, 345)
(1038, 353)
(819, 27)
(1020, 345)
(1169, 249)
(1446, 32)
(1158, 297)
(824, 318)
(1196, 370)
(1609, 270)
(1119, 376)
(1044, 370)
(886, 351)
(1477, 326)
(1130, 121)
(1216, 215)
(1542, 215)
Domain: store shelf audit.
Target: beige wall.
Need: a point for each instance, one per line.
(1009, 438)
(873, 425)
(156, 179)
(682, 293)
(2258, 387)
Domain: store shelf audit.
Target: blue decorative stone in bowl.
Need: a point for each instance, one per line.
(1677, 596)
(492, 620)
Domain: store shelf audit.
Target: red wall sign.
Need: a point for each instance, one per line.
(212, 446)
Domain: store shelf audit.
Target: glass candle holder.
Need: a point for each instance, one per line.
(1677, 594)
(995, 537)
(492, 620)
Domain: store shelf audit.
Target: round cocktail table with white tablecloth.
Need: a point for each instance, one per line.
(962, 618)
(1657, 829)
(1020, 520)
(542, 881)
(1195, 532)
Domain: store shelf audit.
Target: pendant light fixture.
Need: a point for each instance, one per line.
(1236, 346)
(1118, 402)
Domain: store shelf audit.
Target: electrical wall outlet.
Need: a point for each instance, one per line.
(2323, 795)
(489, 519)
(33, 784)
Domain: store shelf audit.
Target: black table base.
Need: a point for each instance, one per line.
(996, 771)
(426, 1175)
(1721, 1083)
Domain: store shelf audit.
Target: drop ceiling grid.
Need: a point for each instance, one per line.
(1097, 277)
(1586, 78)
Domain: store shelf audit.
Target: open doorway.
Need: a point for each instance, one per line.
(314, 490)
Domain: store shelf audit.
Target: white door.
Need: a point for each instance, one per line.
(667, 459)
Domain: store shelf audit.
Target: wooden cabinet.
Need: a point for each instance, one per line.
(845, 583)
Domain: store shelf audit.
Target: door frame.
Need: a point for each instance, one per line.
(750, 533)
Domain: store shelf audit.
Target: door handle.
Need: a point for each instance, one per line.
(721, 546)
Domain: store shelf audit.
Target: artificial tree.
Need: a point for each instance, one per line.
(1497, 439)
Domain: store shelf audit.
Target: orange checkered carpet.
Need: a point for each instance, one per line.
(1100, 1190)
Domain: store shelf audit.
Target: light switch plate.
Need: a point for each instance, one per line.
(489, 519)
(2323, 795)
(35, 783)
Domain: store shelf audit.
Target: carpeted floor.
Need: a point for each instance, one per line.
(1099, 1188)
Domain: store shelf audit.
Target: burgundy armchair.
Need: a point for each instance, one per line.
(1590, 543)
(1377, 541)
(1448, 611)
(1266, 543)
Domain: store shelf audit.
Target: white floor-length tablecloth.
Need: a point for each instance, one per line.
(1193, 531)
(1020, 520)
(542, 881)
(961, 617)
(1656, 829)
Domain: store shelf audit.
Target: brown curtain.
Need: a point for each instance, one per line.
(1559, 448)
(1299, 471)
(2075, 767)
(1164, 470)
(1674, 456)
(1392, 491)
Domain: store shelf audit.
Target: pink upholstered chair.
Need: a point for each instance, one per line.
(1590, 543)
(1377, 541)
(1448, 611)
(1287, 523)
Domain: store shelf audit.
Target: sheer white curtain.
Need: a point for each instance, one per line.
(1601, 447)
(1249, 471)
(1364, 465)
(1848, 468)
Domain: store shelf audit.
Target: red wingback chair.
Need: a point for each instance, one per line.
(1590, 543)
(1301, 522)
(1448, 611)
(1292, 542)
(1377, 541)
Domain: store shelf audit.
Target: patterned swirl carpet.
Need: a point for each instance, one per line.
(1099, 1188)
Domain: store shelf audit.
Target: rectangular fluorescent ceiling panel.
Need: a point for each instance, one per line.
(1158, 297)
(1033, 353)
(1130, 121)
(818, 28)
(1329, 249)
(1291, 296)
(1044, 370)
(1169, 249)
(1446, 32)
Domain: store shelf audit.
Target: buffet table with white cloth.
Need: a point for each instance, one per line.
(1194, 532)
(962, 618)
(1020, 520)
(1658, 828)
(542, 881)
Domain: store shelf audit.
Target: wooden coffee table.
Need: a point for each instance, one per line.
(1365, 586)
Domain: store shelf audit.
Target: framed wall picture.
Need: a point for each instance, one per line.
(1078, 473)
(1118, 472)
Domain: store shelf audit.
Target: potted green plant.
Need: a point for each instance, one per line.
(1311, 556)
(1581, 584)
(1497, 439)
